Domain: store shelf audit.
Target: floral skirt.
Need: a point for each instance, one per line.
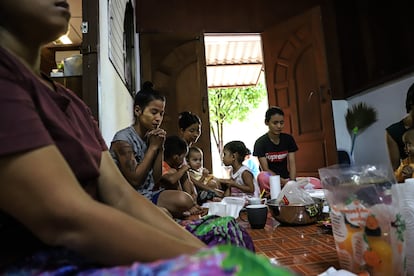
(230, 252)
(217, 260)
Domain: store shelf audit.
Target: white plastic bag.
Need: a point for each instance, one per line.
(293, 194)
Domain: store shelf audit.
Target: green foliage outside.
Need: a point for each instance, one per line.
(230, 104)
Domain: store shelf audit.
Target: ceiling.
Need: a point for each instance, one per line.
(74, 33)
(231, 59)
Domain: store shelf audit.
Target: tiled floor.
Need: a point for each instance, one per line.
(306, 250)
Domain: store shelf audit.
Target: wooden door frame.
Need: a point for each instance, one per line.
(89, 51)
(285, 43)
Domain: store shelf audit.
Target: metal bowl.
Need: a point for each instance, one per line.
(296, 214)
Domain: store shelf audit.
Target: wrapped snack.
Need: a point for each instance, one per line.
(368, 229)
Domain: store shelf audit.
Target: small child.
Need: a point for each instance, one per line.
(242, 180)
(252, 163)
(175, 171)
(406, 168)
(205, 183)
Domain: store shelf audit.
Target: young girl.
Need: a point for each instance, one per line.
(406, 168)
(242, 181)
(207, 185)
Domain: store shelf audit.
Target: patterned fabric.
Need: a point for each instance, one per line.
(219, 260)
(215, 230)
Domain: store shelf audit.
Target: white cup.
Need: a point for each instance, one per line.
(256, 200)
(274, 186)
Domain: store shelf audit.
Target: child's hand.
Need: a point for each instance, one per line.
(219, 193)
(407, 171)
(205, 172)
(227, 182)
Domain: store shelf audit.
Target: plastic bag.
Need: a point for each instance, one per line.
(293, 194)
(368, 228)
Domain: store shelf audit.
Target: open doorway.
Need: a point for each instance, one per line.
(235, 60)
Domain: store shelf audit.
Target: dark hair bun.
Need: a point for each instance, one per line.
(147, 85)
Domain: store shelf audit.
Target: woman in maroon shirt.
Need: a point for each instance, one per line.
(51, 148)
(63, 202)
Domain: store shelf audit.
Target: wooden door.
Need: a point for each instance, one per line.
(176, 65)
(89, 51)
(297, 81)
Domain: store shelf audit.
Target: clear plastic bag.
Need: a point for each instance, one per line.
(368, 228)
(293, 194)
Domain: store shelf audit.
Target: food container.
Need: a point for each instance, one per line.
(367, 225)
(296, 214)
(229, 206)
(73, 66)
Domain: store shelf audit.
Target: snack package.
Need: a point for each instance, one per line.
(368, 229)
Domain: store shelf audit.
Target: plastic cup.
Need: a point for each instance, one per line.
(256, 200)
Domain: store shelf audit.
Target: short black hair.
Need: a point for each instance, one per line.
(186, 119)
(194, 149)
(174, 145)
(273, 110)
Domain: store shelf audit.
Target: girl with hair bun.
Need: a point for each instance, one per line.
(138, 151)
(242, 181)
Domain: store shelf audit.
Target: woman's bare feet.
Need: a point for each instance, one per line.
(196, 210)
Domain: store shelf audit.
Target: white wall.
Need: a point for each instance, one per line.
(389, 101)
(114, 101)
(343, 140)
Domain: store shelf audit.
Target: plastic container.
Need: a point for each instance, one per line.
(368, 229)
(73, 66)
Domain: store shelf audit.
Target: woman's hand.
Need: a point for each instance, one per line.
(156, 137)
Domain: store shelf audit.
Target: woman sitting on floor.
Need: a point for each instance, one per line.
(65, 208)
